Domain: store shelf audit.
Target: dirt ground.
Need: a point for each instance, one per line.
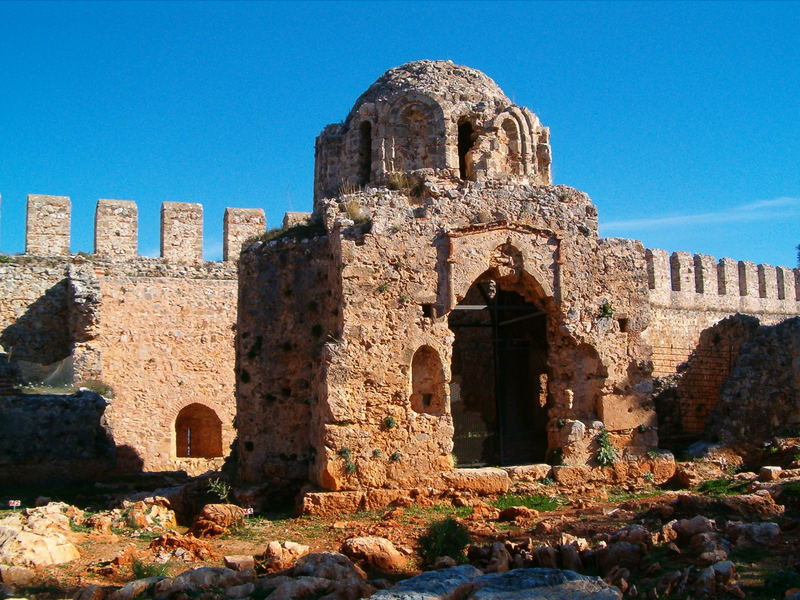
(593, 518)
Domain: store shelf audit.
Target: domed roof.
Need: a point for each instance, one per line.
(438, 79)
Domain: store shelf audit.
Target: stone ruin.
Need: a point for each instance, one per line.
(443, 307)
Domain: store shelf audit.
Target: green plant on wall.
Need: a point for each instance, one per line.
(606, 311)
(606, 453)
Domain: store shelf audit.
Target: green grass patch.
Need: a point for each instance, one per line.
(538, 502)
(723, 487)
(438, 511)
(615, 496)
(143, 570)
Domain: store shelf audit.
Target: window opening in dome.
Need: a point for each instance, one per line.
(465, 141)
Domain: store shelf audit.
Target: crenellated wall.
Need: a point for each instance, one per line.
(690, 294)
(159, 331)
(116, 229)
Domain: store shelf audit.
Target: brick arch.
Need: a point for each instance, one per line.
(198, 431)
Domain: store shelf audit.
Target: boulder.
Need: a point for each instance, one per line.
(519, 584)
(374, 552)
(135, 588)
(16, 575)
(770, 473)
(518, 513)
(26, 549)
(282, 555)
(217, 519)
(753, 534)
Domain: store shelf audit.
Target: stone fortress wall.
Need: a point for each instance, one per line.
(159, 331)
(689, 295)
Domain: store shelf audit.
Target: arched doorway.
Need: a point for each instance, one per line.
(498, 389)
(198, 432)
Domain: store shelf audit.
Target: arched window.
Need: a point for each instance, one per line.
(413, 144)
(465, 141)
(198, 432)
(365, 153)
(512, 147)
(427, 382)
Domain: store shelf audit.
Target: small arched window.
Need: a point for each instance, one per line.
(364, 153)
(466, 136)
(198, 432)
(512, 147)
(427, 382)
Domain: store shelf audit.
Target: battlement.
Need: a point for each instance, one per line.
(701, 282)
(116, 229)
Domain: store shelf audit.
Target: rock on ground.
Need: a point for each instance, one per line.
(519, 584)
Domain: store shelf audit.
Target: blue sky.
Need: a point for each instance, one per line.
(680, 120)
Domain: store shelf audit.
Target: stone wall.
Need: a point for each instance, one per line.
(761, 397)
(54, 438)
(164, 340)
(159, 331)
(288, 322)
(34, 323)
(689, 296)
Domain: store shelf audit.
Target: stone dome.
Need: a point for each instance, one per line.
(441, 80)
(432, 118)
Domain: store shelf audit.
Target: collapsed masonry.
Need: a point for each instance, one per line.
(158, 331)
(446, 304)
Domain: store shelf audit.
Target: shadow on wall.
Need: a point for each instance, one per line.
(57, 438)
(41, 335)
(685, 400)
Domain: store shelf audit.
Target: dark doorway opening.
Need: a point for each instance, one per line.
(499, 378)
(198, 432)
(465, 140)
(365, 153)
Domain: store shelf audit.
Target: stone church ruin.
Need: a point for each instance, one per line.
(444, 318)
(445, 306)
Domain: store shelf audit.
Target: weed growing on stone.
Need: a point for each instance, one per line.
(447, 537)
(390, 422)
(606, 311)
(395, 457)
(220, 488)
(606, 453)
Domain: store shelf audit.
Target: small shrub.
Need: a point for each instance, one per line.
(346, 453)
(377, 453)
(606, 311)
(649, 477)
(653, 453)
(407, 184)
(606, 453)
(546, 481)
(143, 570)
(5, 258)
(349, 467)
(395, 457)
(560, 423)
(447, 537)
(99, 387)
(220, 488)
(390, 422)
(383, 287)
(791, 490)
(295, 232)
(642, 428)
